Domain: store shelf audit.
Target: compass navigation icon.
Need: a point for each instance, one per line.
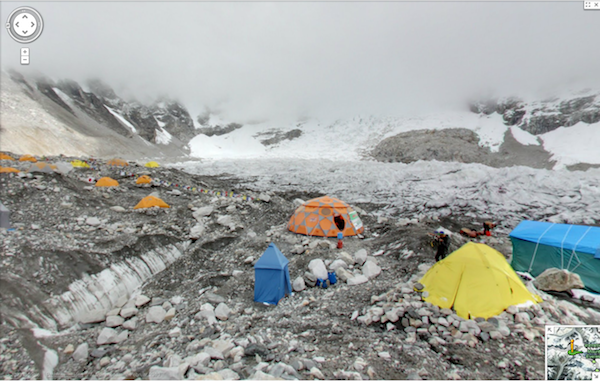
(24, 25)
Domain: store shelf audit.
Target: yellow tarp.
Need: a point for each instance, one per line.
(8, 170)
(79, 164)
(28, 158)
(150, 201)
(143, 180)
(477, 280)
(107, 182)
(4, 156)
(151, 164)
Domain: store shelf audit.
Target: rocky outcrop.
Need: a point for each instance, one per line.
(558, 280)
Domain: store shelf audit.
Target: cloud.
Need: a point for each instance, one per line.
(278, 60)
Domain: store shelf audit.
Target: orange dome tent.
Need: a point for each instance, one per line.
(4, 156)
(107, 182)
(143, 180)
(8, 170)
(28, 158)
(42, 167)
(325, 217)
(149, 202)
(117, 163)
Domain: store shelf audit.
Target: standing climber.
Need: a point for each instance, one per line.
(443, 242)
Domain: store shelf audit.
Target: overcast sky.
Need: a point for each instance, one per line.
(268, 60)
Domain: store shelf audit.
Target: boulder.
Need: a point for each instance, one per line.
(342, 274)
(155, 314)
(344, 256)
(298, 284)
(371, 269)
(92, 221)
(114, 321)
(222, 311)
(298, 201)
(214, 353)
(225, 220)
(141, 300)
(81, 352)
(264, 197)
(170, 314)
(131, 324)
(107, 336)
(358, 279)
(554, 279)
(160, 373)
(197, 231)
(310, 279)
(338, 263)
(94, 316)
(360, 257)
(317, 267)
(128, 312)
(205, 211)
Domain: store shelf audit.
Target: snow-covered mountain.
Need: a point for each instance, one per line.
(42, 116)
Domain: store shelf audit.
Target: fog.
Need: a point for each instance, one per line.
(255, 61)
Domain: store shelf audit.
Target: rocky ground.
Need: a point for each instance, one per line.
(196, 319)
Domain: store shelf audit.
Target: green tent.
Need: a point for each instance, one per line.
(538, 246)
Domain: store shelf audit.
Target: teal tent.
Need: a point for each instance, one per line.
(538, 246)
(271, 276)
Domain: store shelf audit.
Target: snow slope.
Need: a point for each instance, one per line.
(121, 119)
(576, 144)
(341, 139)
(524, 137)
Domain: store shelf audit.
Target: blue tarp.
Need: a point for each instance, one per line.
(580, 238)
(271, 276)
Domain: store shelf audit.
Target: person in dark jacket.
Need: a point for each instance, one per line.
(443, 242)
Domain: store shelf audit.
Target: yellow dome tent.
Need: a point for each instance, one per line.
(117, 163)
(28, 158)
(477, 280)
(143, 180)
(107, 182)
(8, 170)
(149, 202)
(4, 156)
(151, 164)
(79, 164)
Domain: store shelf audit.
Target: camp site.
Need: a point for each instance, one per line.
(300, 190)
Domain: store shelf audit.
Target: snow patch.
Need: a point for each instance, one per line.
(573, 145)
(237, 144)
(121, 119)
(163, 136)
(524, 137)
(491, 130)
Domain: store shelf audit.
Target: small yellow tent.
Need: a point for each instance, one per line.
(149, 202)
(107, 182)
(4, 156)
(143, 180)
(151, 164)
(8, 170)
(79, 164)
(117, 163)
(28, 158)
(477, 280)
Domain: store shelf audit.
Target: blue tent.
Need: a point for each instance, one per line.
(271, 276)
(538, 246)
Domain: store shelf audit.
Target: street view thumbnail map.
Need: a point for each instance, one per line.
(573, 352)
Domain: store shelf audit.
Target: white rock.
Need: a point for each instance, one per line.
(222, 311)
(357, 279)
(371, 269)
(316, 373)
(344, 256)
(117, 208)
(385, 355)
(342, 274)
(205, 211)
(197, 231)
(170, 314)
(264, 197)
(94, 316)
(176, 300)
(155, 314)
(175, 332)
(338, 263)
(130, 324)
(82, 352)
(128, 312)
(114, 321)
(299, 284)
(107, 336)
(122, 337)
(160, 373)
(141, 300)
(317, 267)
(225, 220)
(229, 374)
(298, 202)
(360, 256)
(224, 346)
(214, 353)
(208, 315)
(92, 221)
(202, 358)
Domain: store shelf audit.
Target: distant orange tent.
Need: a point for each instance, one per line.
(8, 170)
(28, 158)
(117, 163)
(143, 180)
(150, 201)
(107, 182)
(325, 217)
(42, 167)
(4, 156)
